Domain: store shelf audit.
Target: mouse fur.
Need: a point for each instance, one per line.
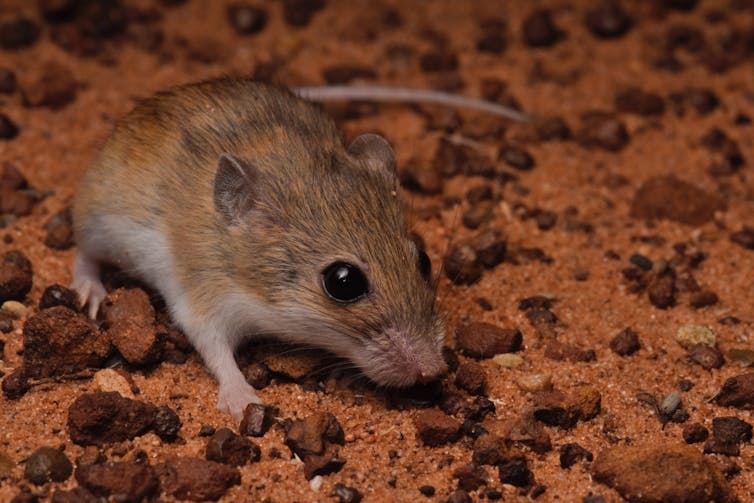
(231, 197)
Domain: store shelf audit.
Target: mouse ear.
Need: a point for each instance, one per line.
(374, 150)
(234, 187)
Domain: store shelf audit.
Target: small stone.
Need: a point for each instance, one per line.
(539, 30)
(15, 385)
(298, 13)
(516, 157)
(552, 129)
(731, 430)
(694, 433)
(459, 496)
(166, 423)
(652, 474)
(490, 449)
(47, 464)
(343, 74)
(516, 472)
(743, 357)
(638, 102)
(716, 446)
(227, 447)
(8, 128)
(737, 392)
(484, 340)
(553, 408)
(689, 336)
(478, 214)
(588, 403)
(257, 374)
(508, 360)
(58, 295)
(127, 482)
(422, 178)
(15, 309)
(106, 417)
(321, 465)
(462, 265)
(196, 479)
(626, 342)
(306, 437)
(661, 291)
(257, 419)
(570, 454)
(744, 238)
(438, 61)
(55, 88)
(490, 247)
(108, 380)
(7, 81)
(706, 356)
(669, 198)
(247, 19)
(560, 351)
(15, 276)
(703, 298)
(471, 378)
(59, 230)
(59, 341)
(470, 476)
(132, 326)
(608, 20)
(435, 428)
(602, 130)
(346, 494)
(427, 490)
(18, 33)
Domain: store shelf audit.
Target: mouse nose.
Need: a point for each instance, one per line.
(425, 377)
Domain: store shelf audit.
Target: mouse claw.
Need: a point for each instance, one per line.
(87, 285)
(233, 399)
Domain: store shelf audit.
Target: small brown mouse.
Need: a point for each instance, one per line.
(240, 204)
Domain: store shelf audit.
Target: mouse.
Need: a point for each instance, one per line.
(239, 203)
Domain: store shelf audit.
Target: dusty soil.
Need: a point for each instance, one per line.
(574, 213)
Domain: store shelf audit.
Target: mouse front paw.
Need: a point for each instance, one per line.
(233, 399)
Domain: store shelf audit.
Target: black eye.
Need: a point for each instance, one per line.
(425, 265)
(344, 282)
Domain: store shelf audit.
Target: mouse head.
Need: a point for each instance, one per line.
(319, 233)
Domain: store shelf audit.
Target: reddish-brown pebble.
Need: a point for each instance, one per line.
(132, 326)
(484, 340)
(196, 479)
(127, 482)
(106, 417)
(435, 428)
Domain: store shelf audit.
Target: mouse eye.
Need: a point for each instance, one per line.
(425, 265)
(344, 282)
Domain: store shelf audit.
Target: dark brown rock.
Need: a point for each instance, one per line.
(706, 356)
(471, 378)
(626, 342)
(343, 74)
(438, 61)
(744, 238)
(8, 128)
(196, 479)
(107, 417)
(59, 230)
(731, 430)
(60, 341)
(516, 472)
(308, 436)
(694, 433)
(15, 384)
(516, 157)
(552, 129)
(484, 340)
(298, 13)
(471, 476)
(638, 102)
(602, 130)
(247, 19)
(58, 295)
(539, 30)
(18, 33)
(321, 465)
(570, 454)
(224, 446)
(127, 482)
(257, 419)
(462, 265)
(435, 428)
(55, 88)
(490, 247)
(667, 197)
(7, 81)
(490, 449)
(257, 374)
(15, 276)
(478, 214)
(47, 464)
(554, 408)
(166, 423)
(421, 178)
(608, 19)
(661, 473)
(661, 290)
(717, 446)
(132, 326)
(703, 298)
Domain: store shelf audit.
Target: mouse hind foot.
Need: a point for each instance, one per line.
(87, 284)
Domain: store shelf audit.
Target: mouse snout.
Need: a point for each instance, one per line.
(427, 376)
